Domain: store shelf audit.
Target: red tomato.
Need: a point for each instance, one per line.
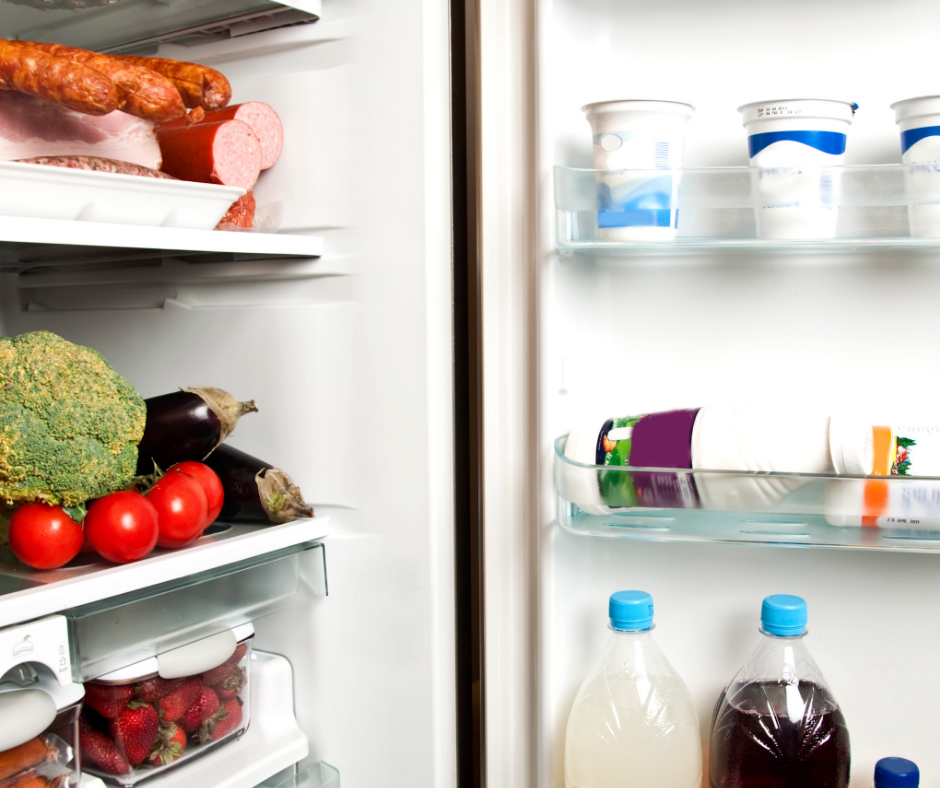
(122, 526)
(182, 508)
(211, 484)
(43, 536)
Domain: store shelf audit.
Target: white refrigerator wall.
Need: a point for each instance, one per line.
(349, 359)
(629, 335)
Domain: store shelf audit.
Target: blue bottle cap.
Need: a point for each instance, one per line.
(631, 611)
(783, 615)
(896, 773)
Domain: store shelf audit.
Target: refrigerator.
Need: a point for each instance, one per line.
(430, 318)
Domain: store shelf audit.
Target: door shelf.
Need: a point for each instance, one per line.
(869, 209)
(898, 513)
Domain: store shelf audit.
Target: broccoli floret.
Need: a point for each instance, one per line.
(69, 424)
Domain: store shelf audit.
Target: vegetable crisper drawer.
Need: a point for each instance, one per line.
(114, 633)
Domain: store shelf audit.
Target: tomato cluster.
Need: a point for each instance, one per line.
(123, 526)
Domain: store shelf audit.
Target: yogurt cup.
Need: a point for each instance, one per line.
(793, 146)
(638, 135)
(919, 122)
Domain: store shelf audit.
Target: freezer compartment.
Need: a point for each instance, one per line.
(723, 207)
(811, 510)
(122, 630)
(156, 715)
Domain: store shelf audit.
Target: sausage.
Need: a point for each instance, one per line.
(226, 153)
(264, 123)
(98, 164)
(199, 86)
(37, 73)
(143, 93)
(241, 214)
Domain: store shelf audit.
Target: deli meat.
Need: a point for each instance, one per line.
(241, 214)
(226, 153)
(32, 127)
(98, 164)
(264, 123)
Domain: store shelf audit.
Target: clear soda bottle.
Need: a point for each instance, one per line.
(777, 725)
(633, 722)
(896, 773)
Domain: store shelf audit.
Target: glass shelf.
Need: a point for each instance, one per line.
(321, 775)
(796, 510)
(867, 208)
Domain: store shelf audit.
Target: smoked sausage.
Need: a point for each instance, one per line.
(226, 153)
(199, 86)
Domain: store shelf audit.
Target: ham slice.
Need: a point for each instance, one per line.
(31, 127)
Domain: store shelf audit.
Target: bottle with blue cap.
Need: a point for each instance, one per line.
(896, 773)
(777, 724)
(633, 722)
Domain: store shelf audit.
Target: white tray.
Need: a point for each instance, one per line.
(45, 192)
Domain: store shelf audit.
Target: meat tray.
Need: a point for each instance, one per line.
(86, 195)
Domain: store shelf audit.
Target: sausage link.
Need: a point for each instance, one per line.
(37, 73)
(143, 92)
(199, 86)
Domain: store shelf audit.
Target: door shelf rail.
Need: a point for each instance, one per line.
(899, 513)
(889, 207)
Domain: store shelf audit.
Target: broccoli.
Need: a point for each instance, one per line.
(69, 424)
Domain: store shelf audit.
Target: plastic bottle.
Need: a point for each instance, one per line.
(896, 773)
(633, 722)
(777, 725)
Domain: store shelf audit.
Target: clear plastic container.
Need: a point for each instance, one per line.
(777, 724)
(38, 730)
(154, 715)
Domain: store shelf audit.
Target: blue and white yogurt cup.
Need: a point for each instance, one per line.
(796, 147)
(644, 136)
(919, 122)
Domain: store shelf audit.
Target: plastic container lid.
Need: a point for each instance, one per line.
(896, 773)
(851, 446)
(783, 615)
(631, 611)
(915, 107)
(640, 105)
(830, 109)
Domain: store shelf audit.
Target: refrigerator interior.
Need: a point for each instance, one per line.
(624, 335)
(348, 356)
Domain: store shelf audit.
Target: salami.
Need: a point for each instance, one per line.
(199, 86)
(98, 164)
(143, 93)
(264, 123)
(226, 153)
(241, 214)
(37, 73)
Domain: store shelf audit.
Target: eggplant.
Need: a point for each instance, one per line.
(187, 425)
(255, 490)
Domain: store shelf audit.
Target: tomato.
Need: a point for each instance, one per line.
(43, 536)
(122, 526)
(211, 484)
(182, 508)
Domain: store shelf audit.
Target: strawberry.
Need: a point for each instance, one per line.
(174, 705)
(205, 705)
(100, 751)
(135, 730)
(231, 685)
(223, 722)
(109, 700)
(151, 690)
(170, 745)
(217, 675)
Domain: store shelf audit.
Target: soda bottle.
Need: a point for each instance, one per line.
(633, 722)
(777, 725)
(896, 773)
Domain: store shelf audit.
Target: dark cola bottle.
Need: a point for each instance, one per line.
(777, 725)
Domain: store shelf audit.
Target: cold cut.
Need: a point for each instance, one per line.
(98, 164)
(143, 92)
(37, 73)
(226, 153)
(264, 123)
(241, 214)
(199, 86)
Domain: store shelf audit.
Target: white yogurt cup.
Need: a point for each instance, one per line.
(919, 122)
(792, 145)
(638, 135)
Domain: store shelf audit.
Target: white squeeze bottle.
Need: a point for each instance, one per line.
(633, 723)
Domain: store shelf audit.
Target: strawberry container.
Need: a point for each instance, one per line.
(156, 715)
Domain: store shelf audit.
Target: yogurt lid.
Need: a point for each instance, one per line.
(915, 107)
(830, 109)
(639, 105)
